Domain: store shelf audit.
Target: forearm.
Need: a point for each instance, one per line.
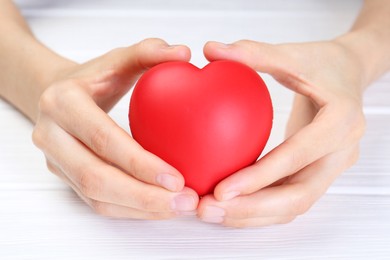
(369, 40)
(26, 66)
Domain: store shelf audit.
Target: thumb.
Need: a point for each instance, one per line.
(272, 59)
(129, 62)
(260, 56)
(110, 76)
(132, 61)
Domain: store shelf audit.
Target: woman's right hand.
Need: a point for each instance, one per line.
(83, 146)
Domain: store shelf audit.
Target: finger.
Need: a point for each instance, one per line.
(267, 58)
(102, 182)
(293, 198)
(273, 202)
(118, 211)
(215, 215)
(302, 113)
(343, 127)
(93, 127)
(300, 150)
(129, 62)
(108, 209)
(115, 211)
(260, 56)
(112, 74)
(151, 52)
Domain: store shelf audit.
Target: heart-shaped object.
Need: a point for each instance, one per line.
(207, 123)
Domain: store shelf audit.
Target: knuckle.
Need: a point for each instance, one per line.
(151, 41)
(99, 140)
(140, 170)
(116, 52)
(143, 51)
(89, 183)
(47, 101)
(71, 89)
(153, 201)
(147, 203)
(351, 156)
(100, 208)
(241, 209)
(58, 95)
(140, 49)
(133, 167)
(247, 212)
(38, 137)
(297, 158)
(299, 203)
(355, 155)
(360, 125)
(51, 167)
(245, 42)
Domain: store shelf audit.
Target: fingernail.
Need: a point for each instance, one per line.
(230, 195)
(213, 214)
(221, 45)
(183, 202)
(167, 181)
(172, 46)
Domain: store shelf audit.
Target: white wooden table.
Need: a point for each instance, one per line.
(41, 218)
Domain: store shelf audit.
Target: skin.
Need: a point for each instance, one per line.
(68, 103)
(324, 128)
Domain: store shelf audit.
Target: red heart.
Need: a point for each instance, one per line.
(207, 123)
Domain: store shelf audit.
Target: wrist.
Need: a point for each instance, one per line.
(369, 52)
(55, 68)
(27, 67)
(41, 69)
